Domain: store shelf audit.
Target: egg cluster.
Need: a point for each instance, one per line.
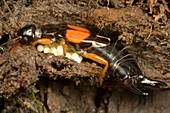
(57, 50)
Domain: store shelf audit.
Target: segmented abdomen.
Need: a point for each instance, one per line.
(121, 63)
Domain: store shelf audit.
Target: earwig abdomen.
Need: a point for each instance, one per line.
(125, 69)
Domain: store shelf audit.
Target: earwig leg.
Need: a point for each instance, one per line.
(42, 41)
(15, 48)
(100, 60)
(64, 47)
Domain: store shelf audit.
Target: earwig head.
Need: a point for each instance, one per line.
(27, 33)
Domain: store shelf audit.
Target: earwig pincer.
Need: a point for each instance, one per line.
(97, 48)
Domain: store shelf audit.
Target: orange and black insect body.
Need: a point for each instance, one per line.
(97, 48)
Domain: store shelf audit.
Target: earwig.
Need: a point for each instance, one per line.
(95, 47)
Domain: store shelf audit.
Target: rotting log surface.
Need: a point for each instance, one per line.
(66, 86)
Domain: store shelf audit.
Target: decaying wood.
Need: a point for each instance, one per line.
(61, 84)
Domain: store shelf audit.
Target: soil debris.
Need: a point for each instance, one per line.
(63, 85)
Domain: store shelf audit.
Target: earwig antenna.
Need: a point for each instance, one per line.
(11, 13)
